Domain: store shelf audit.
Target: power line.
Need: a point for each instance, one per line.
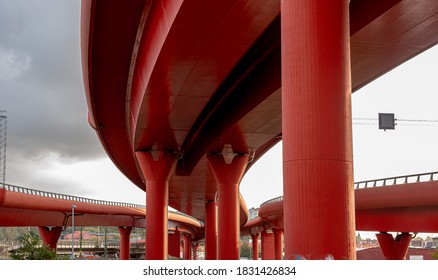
(403, 122)
(429, 121)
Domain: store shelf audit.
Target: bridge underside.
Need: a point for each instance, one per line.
(161, 79)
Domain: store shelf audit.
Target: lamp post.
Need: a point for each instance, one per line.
(73, 231)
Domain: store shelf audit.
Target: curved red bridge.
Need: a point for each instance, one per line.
(397, 204)
(52, 212)
(186, 95)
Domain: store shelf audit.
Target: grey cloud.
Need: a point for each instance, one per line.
(46, 105)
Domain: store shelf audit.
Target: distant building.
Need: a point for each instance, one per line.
(367, 243)
(253, 213)
(428, 244)
(435, 241)
(417, 243)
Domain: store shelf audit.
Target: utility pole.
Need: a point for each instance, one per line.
(3, 134)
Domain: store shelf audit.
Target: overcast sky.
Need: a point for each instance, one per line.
(51, 146)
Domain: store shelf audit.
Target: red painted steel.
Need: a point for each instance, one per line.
(50, 236)
(255, 246)
(174, 244)
(267, 246)
(406, 195)
(211, 230)
(187, 252)
(156, 172)
(195, 59)
(21, 209)
(317, 134)
(376, 253)
(394, 249)
(195, 251)
(409, 207)
(278, 243)
(228, 177)
(125, 233)
(156, 72)
(398, 219)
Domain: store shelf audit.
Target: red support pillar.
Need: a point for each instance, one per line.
(174, 244)
(394, 249)
(125, 233)
(278, 243)
(195, 251)
(255, 246)
(228, 177)
(187, 247)
(319, 218)
(50, 236)
(267, 246)
(211, 230)
(156, 167)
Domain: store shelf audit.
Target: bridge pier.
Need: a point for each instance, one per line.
(394, 249)
(187, 247)
(156, 167)
(125, 234)
(228, 176)
(211, 230)
(317, 130)
(267, 240)
(255, 246)
(174, 244)
(278, 243)
(50, 236)
(195, 251)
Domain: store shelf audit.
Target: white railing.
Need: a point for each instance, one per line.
(18, 189)
(390, 181)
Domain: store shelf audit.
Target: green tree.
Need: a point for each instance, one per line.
(435, 255)
(245, 250)
(32, 248)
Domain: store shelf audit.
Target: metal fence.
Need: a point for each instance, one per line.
(18, 189)
(390, 181)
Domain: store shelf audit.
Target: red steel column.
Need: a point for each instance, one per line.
(125, 233)
(228, 178)
(187, 247)
(156, 168)
(278, 243)
(318, 190)
(195, 251)
(255, 246)
(267, 240)
(50, 236)
(394, 249)
(174, 247)
(211, 230)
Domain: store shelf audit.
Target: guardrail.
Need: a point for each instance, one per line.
(18, 189)
(275, 199)
(390, 181)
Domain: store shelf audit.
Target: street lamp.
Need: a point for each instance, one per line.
(73, 231)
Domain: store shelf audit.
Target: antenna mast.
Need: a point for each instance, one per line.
(3, 134)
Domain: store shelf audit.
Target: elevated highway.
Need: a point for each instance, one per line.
(52, 213)
(397, 204)
(186, 95)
